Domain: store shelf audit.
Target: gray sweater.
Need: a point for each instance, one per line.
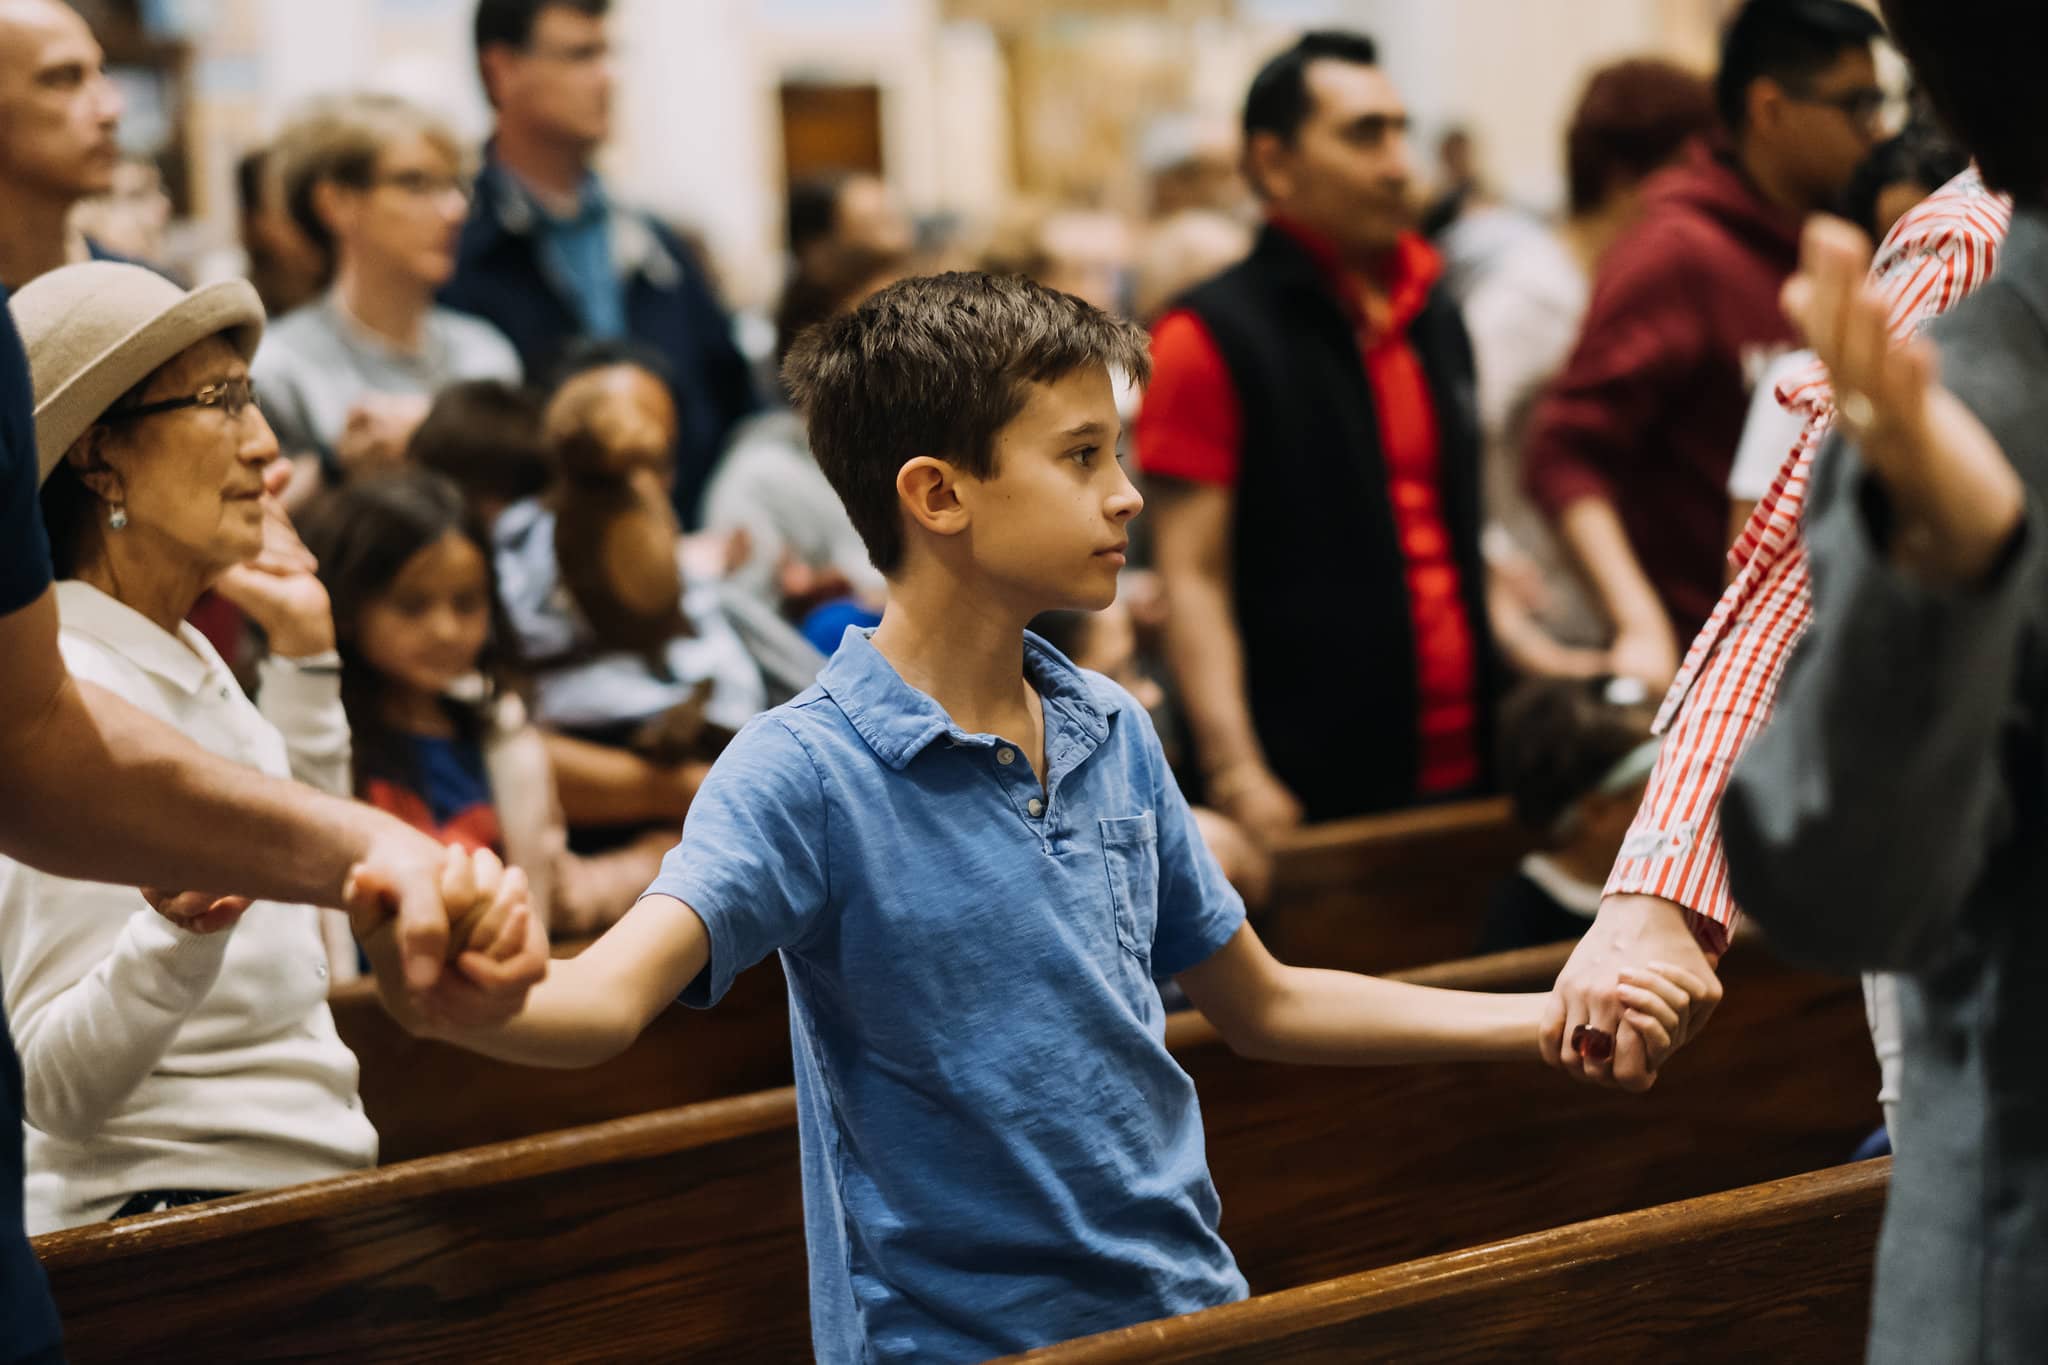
(1894, 816)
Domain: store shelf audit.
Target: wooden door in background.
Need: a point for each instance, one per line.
(828, 128)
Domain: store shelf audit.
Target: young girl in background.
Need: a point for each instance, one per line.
(439, 742)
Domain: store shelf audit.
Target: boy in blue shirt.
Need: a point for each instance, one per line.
(975, 864)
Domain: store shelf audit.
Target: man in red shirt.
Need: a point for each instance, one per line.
(1313, 446)
(1629, 452)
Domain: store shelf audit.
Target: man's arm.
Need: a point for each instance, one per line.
(100, 791)
(1192, 549)
(1644, 645)
(1640, 340)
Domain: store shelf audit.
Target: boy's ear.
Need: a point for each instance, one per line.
(927, 488)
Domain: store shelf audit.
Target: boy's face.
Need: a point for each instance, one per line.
(1050, 528)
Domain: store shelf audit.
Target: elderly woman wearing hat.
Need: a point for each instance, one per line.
(161, 1063)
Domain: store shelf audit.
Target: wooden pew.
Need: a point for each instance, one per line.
(680, 1233)
(1375, 894)
(1389, 891)
(1780, 1271)
(1326, 1171)
(427, 1098)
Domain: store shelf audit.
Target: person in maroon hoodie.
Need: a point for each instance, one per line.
(1629, 452)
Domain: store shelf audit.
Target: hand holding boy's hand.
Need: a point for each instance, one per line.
(507, 956)
(1955, 498)
(1631, 937)
(197, 912)
(1661, 1005)
(487, 929)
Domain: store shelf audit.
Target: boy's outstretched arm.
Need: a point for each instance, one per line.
(591, 1007)
(1274, 1012)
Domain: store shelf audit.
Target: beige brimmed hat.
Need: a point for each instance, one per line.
(96, 330)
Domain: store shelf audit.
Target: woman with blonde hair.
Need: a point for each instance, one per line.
(380, 186)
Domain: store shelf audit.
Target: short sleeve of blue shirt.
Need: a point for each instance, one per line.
(1199, 910)
(24, 548)
(752, 858)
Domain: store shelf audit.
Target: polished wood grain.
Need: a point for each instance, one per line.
(1389, 891)
(679, 1234)
(1324, 1172)
(427, 1098)
(670, 1236)
(1773, 1272)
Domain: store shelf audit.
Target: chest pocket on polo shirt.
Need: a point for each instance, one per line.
(1130, 847)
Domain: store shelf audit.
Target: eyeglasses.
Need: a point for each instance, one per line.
(232, 396)
(1865, 108)
(581, 54)
(424, 184)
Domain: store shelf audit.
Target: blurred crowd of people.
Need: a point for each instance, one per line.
(1539, 477)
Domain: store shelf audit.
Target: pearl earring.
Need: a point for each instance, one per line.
(117, 520)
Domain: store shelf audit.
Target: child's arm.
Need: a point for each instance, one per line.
(592, 1006)
(1268, 1010)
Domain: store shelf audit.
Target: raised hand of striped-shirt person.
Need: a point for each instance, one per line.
(1956, 501)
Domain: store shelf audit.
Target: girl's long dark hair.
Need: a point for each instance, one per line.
(363, 534)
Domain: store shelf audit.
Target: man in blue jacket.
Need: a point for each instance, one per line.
(550, 258)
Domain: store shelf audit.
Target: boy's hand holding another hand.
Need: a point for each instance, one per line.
(493, 941)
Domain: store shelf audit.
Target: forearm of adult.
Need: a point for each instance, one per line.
(119, 796)
(1203, 646)
(602, 785)
(1592, 529)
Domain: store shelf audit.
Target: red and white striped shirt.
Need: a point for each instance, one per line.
(1937, 255)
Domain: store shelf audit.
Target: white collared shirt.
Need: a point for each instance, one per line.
(153, 1058)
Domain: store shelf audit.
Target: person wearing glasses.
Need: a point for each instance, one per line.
(1628, 454)
(167, 1058)
(377, 184)
(552, 259)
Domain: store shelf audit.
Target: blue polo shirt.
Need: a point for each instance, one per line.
(28, 1323)
(998, 1150)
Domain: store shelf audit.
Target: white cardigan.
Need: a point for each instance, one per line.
(153, 1058)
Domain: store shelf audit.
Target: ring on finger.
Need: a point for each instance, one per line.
(1593, 1044)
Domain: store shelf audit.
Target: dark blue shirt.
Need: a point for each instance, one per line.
(998, 1150)
(28, 1321)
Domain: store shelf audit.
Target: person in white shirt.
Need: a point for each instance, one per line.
(164, 1061)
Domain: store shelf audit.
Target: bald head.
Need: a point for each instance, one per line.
(58, 111)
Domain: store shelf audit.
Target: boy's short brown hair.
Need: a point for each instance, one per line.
(938, 365)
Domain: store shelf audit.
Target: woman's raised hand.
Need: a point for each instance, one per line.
(279, 588)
